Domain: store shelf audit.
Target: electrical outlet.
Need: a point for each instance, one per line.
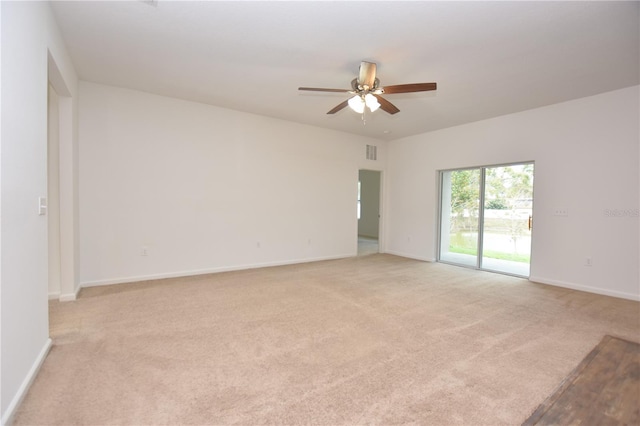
(258, 244)
(561, 212)
(144, 251)
(588, 261)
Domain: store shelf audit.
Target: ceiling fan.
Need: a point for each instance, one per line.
(367, 91)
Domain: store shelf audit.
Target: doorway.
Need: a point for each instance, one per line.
(62, 189)
(486, 218)
(53, 193)
(368, 212)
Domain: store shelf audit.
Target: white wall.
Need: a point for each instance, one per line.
(586, 160)
(207, 189)
(28, 34)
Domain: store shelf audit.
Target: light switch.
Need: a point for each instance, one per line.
(42, 206)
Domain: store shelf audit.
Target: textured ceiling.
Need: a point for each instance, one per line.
(488, 58)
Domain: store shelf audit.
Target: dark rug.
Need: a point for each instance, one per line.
(603, 390)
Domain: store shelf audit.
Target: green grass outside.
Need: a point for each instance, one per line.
(491, 254)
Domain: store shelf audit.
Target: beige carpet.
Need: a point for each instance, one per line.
(367, 340)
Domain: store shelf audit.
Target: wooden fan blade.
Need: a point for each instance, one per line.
(319, 89)
(367, 75)
(386, 105)
(408, 88)
(339, 107)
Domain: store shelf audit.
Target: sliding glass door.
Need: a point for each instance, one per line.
(460, 214)
(486, 216)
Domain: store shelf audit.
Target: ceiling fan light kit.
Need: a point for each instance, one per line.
(372, 102)
(358, 102)
(367, 91)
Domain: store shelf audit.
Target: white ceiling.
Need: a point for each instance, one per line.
(488, 58)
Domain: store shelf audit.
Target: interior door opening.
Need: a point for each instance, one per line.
(61, 188)
(368, 212)
(53, 194)
(486, 217)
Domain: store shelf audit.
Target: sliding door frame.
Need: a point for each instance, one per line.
(481, 204)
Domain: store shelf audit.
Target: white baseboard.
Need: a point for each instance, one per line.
(179, 274)
(7, 416)
(595, 290)
(70, 297)
(54, 296)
